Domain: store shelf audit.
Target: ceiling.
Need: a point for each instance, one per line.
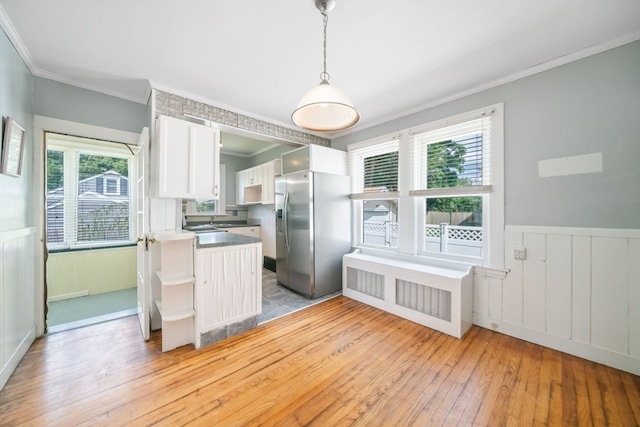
(258, 57)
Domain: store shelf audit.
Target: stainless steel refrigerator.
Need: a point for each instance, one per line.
(313, 231)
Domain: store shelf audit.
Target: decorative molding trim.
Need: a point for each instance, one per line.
(628, 233)
(16, 40)
(177, 106)
(589, 352)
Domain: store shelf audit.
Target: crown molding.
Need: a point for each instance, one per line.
(16, 40)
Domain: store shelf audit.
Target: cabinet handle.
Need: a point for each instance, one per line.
(215, 190)
(252, 180)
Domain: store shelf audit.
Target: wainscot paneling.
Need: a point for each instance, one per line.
(17, 314)
(577, 290)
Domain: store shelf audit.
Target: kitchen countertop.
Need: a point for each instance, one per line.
(218, 239)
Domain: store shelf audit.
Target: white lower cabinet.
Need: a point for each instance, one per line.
(253, 231)
(228, 286)
(173, 282)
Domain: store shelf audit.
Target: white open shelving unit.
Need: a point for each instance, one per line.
(174, 279)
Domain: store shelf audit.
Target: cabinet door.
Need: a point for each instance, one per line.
(204, 173)
(241, 182)
(188, 160)
(229, 282)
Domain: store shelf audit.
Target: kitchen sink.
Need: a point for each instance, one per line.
(202, 228)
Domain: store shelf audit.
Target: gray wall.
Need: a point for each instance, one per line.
(587, 106)
(16, 95)
(65, 102)
(232, 164)
(271, 154)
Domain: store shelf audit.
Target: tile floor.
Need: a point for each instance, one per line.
(78, 312)
(278, 301)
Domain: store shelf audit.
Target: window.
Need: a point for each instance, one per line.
(374, 188)
(435, 190)
(88, 200)
(451, 170)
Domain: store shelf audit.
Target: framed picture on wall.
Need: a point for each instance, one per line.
(12, 148)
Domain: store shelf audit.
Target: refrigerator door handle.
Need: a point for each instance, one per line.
(285, 220)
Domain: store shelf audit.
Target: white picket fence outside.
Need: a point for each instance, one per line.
(445, 238)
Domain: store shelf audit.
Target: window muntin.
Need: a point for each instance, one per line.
(88, 200)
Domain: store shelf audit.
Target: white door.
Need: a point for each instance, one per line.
(142, 229)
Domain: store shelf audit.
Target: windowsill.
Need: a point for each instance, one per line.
(450, 263)
(90, 247)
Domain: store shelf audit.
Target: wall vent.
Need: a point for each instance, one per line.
(425, 299)
(365, 282)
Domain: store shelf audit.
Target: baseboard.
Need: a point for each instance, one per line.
(68, 296)
(16, 357)
(595, 354)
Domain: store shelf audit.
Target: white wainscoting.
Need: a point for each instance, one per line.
(577, 291)
(17, 316)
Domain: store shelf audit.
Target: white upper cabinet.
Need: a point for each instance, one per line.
(315, 158)
(188, 159)
(256, 185)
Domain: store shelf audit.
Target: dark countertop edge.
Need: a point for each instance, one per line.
(237, 240)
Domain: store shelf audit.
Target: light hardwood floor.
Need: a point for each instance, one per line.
(336, 363)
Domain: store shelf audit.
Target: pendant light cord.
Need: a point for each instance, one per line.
(324, 77)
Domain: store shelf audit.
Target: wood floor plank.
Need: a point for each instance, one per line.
(336, 363)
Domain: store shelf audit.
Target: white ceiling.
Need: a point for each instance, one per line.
(258, 57)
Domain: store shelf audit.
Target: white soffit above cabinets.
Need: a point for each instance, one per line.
(259, 57)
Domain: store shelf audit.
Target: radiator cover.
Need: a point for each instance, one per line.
(436, 297)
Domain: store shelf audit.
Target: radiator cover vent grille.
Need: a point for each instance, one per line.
(365, 282)
(425, 299)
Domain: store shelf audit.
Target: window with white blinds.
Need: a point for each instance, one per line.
(374, 169)
(453, 159)
(89, 201)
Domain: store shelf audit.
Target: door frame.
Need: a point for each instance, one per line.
(42, 124)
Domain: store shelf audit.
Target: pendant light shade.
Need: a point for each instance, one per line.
(325, 108)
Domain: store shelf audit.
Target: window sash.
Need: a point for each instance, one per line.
(359, 176)
(475, 170)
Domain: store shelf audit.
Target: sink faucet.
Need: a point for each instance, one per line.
(211, 220)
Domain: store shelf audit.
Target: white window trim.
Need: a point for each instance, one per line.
(410, 207)
(72, 150)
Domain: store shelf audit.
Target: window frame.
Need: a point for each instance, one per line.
(72, 148)
(359, 196)
(411, 207)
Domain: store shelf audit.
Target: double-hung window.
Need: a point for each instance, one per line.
(374, 189)
(453, 167)
(89, 199)
(435, 190)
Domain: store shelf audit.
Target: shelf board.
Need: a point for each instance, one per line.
(175, 315)
(175, 281)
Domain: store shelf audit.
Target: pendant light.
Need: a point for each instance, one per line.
(325, 108)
